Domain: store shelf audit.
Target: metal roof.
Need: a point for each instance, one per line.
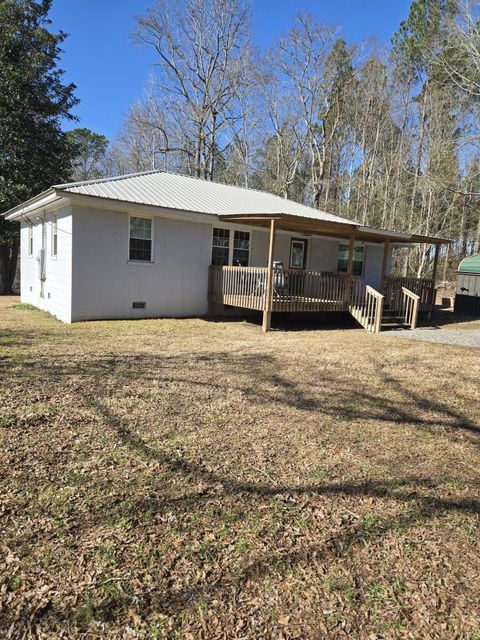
(470, 264)
(173, 191)
(186, 194)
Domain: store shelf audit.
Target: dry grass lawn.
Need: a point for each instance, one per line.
(187, 479)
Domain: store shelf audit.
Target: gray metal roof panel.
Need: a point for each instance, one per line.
(173, 191)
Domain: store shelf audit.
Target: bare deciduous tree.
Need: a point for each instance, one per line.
(203, 72)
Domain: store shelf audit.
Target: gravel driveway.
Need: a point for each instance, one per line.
(461, 337)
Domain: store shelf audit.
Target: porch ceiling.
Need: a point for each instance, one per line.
(304, 225)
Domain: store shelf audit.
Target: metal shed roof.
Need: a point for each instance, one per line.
(173, 191)
(471, 264)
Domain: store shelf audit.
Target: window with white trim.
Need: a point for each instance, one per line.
(225, 252)
(140, 239)
(30, 240)
(54, 236)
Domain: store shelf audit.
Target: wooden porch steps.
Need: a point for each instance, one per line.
(392, 320)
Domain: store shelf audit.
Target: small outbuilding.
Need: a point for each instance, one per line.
(467, 299)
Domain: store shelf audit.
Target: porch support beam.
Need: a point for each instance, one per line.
(386, 246)
(351, 251)
(435, 263)
(267, 309)
(434, 277)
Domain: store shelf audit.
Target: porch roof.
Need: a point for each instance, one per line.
(314, 226)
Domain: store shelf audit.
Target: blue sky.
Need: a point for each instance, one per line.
(110, 70)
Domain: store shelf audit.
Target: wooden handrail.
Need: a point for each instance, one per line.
(410, 307)
(366, 305)
(423, 287)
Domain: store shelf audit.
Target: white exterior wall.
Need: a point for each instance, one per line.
(322, 254)
(57, 298)
(92, 278)
(106, 283)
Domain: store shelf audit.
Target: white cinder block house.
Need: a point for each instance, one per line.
(160, 244)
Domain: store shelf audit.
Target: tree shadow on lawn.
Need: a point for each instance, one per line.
(197, 472)
(343, 394)
(262, 382)
(178, 600)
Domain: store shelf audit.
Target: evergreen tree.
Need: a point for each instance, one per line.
(34, 152)
(89, 148)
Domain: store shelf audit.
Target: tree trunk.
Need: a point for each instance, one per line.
(418, 164)
(15, 250)
(8, 267)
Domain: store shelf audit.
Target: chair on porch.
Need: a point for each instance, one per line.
(280, 279)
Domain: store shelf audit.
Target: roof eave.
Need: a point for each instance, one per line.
(43, 199)
(351, 228)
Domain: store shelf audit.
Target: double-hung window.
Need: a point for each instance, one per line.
(54, 236)
(230, 248)
(140, 244)
(357, 265)
(30, 240)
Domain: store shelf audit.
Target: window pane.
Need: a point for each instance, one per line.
(241, 240)
(221, 237)
(220, 256)
(140, 249)
(357, 266)
(141, 228)
(240, 258)
(220, 246)
(241, 246)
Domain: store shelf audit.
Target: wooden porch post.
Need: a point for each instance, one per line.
(435, 263)
(386, 246)
(267, 309)
(434, 277)
(351, 251)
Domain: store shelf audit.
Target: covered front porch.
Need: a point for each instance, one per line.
(274, 288)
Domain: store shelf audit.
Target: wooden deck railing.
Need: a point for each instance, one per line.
(366, 305)
(293, 290)
(299, 291)
(238, 286)
(422, 287)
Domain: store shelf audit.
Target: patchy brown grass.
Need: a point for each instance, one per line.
(186, 479)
